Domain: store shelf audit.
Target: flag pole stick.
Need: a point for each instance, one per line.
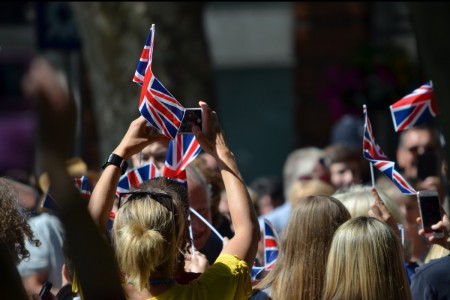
(191, 236)
(206, 222)
(371, 174)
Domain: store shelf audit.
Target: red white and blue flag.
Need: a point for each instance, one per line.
(373, 153)
(416, 108)
(156, 104)
(256, 270)
(182, 151)
(135, 177)
(82, 183)
(270, 245)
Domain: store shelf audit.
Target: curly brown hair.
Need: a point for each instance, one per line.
(14, 228)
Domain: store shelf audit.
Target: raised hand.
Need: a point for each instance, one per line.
(139, 135)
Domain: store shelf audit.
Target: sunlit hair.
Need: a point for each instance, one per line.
(14, 228)
(180, 199)
(436, 251)
(300, 266)
(147, 238)
(365, 262)
(302, 189)
(358, 198)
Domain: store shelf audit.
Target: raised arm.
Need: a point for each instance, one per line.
(138, 136)
(92, 257)
(244, 244)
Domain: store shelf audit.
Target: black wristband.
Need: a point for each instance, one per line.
(116, 160)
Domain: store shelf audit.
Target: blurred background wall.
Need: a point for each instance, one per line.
(279, 74)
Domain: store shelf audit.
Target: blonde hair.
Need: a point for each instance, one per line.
(358, 198)
(300, 266)
(365, 262)
(147, 237)
(436, 251)
(302, 189)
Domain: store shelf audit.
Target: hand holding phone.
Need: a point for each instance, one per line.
(192, 117)
(430, 212)
(45, 290)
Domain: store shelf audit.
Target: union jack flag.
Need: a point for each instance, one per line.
(158, 106)
(373, 153)
(182, 150)
(82, 183)
(256, 270)
(416, 108)
(135, 177)
(270, 245)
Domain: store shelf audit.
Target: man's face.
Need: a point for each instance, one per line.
(154, 153)
(344, 174)
(198, 200)
(415, 142)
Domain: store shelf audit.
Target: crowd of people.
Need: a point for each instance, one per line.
(340, 237)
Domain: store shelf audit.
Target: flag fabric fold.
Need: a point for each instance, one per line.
(418, 107)
(156, 104)
(182, 151)
(270, 245)
(373, 153)
(82, 183)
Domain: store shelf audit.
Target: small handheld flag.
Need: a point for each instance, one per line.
(82, 183)
(182, 151)
(418, 107)
(158, 106)
(373, 153)
(135, 177)
(270, 245)
(256, 270)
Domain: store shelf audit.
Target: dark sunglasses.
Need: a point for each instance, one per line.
(162, 198)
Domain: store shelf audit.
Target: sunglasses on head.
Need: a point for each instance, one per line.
(162, 198)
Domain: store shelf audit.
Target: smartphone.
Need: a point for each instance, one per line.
(192, 116)
(45, 290)
(427, 164)
(430, 211)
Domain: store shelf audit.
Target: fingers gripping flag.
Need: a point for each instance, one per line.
(373, 153)
(182, 151)
(416, 108)
(270, 245)
(135, 177)
(156, 104)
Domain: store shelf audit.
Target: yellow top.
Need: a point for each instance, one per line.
(227, 278)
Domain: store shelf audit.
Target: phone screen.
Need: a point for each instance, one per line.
(430, 211)
(192, 116)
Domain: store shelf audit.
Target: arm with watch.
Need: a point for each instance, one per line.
(138, 136)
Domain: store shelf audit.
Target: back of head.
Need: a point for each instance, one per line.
(299, 163)
(365, 262)
(146, 236)
(357, 200)
(300, 266)
(14, 229)
(180, 199)
(303, 188)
